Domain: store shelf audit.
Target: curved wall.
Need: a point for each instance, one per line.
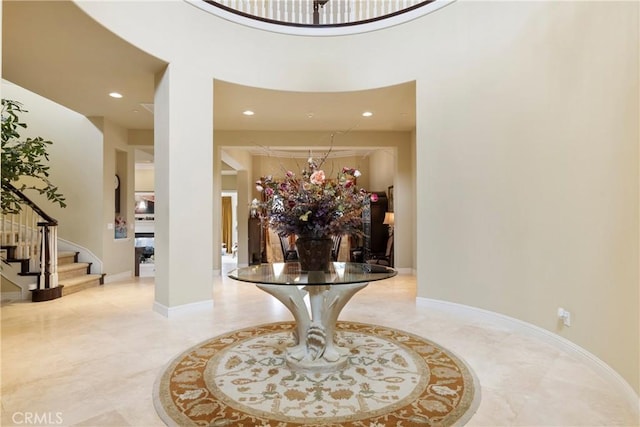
(526, 143)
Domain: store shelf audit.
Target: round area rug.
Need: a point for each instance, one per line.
(392, 378)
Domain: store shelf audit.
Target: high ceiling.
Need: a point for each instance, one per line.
(52, 48)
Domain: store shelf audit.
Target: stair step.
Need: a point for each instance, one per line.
(67, 271)
(79, 283)
(66, 258)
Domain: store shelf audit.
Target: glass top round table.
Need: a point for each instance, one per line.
(289, 273)
(315, 349)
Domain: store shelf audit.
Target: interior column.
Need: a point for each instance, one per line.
(183, 133)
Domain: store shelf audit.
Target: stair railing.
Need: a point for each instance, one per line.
(318, 12)
(34, 235)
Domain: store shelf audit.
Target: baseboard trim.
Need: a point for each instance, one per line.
(12, 296)
(182, 309)
(605, 371)
(125, 275)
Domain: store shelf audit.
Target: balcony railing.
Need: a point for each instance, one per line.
(314, 13)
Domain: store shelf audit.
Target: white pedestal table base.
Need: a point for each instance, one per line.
(315, 349)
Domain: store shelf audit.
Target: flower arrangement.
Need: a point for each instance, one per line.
(312, 205)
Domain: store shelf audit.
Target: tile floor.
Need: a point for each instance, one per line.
(91, 358)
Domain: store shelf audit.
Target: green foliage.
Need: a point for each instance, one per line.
(23, 158)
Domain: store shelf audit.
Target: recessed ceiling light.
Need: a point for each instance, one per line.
(248, 113)
(367, 114)
(115, 95)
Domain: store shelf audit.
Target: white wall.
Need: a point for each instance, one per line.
(76, 163)
(118, 254)
(528, 169)
(383, 163)
(526, 143)
(242, 161)
(144, 178)
(229, 182)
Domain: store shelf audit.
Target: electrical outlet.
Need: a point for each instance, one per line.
(565, 315)
(567, 318)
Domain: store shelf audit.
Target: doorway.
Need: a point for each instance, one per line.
(229, 231)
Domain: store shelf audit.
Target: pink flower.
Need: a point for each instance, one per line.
(317, 177)
(313, 204)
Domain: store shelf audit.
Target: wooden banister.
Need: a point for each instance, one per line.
(20, 232)
(26, 201)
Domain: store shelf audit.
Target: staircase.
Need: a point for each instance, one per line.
(75, 276)
(30, 252)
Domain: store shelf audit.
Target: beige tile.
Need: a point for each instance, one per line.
(95, 355)
(111, 418)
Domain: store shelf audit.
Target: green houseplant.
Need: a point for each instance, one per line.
(23, 158)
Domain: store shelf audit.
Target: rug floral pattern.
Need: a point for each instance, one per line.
(393, 378)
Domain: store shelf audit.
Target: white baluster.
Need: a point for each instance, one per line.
(27, 234)
(269, 6)
(5, 229)
(326, 14)
(35, 243)
(54, 256)
(12, 240)
(285, 12)
(19, 242)
(347, 10)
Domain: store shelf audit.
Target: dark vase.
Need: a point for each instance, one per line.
(314, 253)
